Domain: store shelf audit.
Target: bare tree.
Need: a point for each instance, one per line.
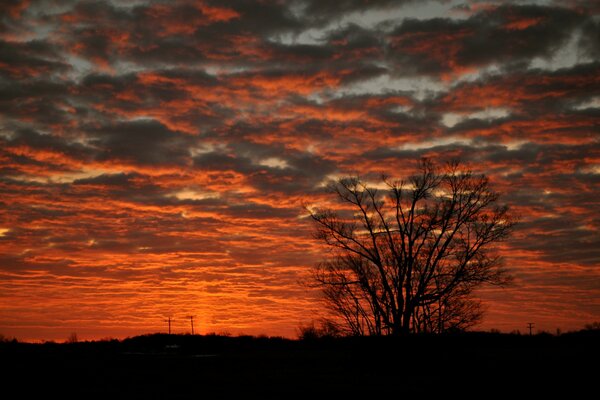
(457, 311)
(406, 256)
(72, 338)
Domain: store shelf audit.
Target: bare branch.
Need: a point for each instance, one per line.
(408, 258)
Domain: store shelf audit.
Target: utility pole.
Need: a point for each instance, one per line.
(191, 317)
(169, 321)
(530, 326)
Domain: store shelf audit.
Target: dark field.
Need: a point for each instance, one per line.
(161, 366)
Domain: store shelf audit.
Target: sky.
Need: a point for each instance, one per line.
(155, 155)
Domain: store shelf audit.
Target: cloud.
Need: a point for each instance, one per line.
(332, 9)
(143, 141)
(504, 35)
(154, 155)
(590, 39)
(291, 172)
(20, 60)
(528, 91)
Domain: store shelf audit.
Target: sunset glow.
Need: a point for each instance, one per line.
(155, 155)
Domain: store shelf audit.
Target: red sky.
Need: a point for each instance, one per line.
(154, 155)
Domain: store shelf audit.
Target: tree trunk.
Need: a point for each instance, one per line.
(408, 312)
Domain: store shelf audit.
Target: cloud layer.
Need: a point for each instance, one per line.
(155, 155)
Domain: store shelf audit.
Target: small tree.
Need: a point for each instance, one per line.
(72, 338)
(312, 331)
(407, 258)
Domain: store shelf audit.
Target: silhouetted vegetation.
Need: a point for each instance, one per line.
(324, 329)
(72, 338)
(406, 258)
(594, 326)
(186, 366)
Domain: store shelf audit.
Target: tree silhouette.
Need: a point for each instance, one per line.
(408, 254)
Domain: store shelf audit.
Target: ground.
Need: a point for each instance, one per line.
(185, 366)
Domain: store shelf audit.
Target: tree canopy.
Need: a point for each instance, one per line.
(407, 254)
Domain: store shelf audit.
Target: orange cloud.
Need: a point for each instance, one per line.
(155, 158)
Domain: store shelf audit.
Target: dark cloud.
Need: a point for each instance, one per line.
(504, 35)
(589, 42)
(121, 179)
(533, 91)
(518, 32)
(260, 211)
(177, 33)
(557, 243)
(266, 17)
(270, 168)
(143, 141)
(26, 60)
(353, 37)
(332, 9)
(224, 162)
(48, 143)
(13, 8)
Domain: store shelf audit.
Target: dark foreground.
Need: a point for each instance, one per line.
(162, 366)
